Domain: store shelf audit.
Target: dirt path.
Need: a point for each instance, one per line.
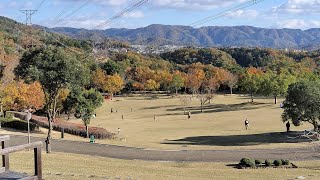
(122, 152)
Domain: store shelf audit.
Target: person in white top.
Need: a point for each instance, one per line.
(246, 124)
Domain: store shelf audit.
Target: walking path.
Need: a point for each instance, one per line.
(122, 152)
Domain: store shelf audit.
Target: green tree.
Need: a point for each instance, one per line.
(177, 82)
(87, 102)
(71, 102)
(112, 67)
(251, 82)
(302, 103)
(54, 69)
(276, 84)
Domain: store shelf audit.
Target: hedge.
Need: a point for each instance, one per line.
(268, 162)
(285, 161)
(277, 162)
(70, 128)
(18, 124)
(258, 162)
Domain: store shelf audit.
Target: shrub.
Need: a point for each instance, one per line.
(18, 124)
(277, 162)
(244, 161)
(257, 161)
(251, 164)
(285, 161)
(247, 162)
(268, 162)
(9, 115)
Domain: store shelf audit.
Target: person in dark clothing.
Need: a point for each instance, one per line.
(288, 126)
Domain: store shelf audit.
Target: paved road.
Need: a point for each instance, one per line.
(121, 152)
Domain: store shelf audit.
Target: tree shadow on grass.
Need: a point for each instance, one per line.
(158, 107)
(241, 140)
(212, 108)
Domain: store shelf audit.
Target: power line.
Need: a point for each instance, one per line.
(62, 12)
(128, 9)
(56, 19)
(125, 11)
(227, 11)
(77, 9)
(42, 2)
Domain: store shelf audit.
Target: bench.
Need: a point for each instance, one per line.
(5, 172)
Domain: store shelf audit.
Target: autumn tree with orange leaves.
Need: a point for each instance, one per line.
(114, 84)
(107, 83)
(20, 96)
(215, 77)
(99, 79)
(195, 77)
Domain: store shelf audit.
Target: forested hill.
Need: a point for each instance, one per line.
(16, 38)
(243, 36)
(22, 36)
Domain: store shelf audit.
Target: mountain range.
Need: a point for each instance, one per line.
(212, 36)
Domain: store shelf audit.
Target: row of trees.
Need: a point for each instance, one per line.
(57, 79)
(199, 78)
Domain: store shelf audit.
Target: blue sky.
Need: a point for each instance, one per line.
(300, 14)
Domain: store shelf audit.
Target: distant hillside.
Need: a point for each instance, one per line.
(244, 36)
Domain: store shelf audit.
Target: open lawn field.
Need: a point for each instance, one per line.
(220, 126)
(71, 166)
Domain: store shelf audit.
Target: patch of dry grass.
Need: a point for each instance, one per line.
(71, 166)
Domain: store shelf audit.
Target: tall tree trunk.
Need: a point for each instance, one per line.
(275, 99)
(87, 131)
(231, 90)
(69, 114)
(251, 97)
(176, 91)
(316, 126)
(48, 140)
(1, 110)
(201, 106)
(52, 104)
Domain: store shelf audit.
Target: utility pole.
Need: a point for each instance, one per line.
(29, 13)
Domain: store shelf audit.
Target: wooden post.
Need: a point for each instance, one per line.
(5, 157)
(62, 133)
(37, 162)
